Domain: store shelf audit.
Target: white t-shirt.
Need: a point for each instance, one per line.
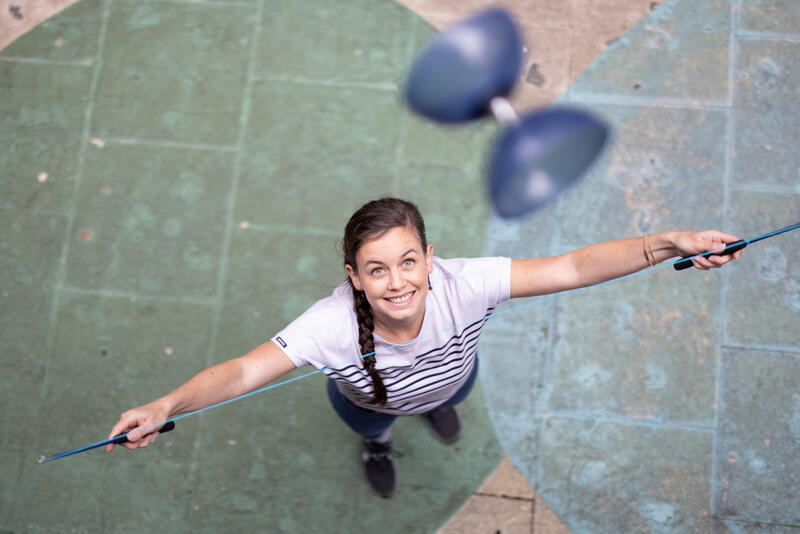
(422, 373)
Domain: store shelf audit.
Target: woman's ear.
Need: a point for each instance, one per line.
(353, 277)
(429, 258)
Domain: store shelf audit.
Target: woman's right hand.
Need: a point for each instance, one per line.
(140, 424)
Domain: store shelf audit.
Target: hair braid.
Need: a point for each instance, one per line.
(365, 340)
(371, 221)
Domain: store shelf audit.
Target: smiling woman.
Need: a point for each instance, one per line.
(399, 336)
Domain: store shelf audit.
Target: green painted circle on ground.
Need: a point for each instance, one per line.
(177, 177)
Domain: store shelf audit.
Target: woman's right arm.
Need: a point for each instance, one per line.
(216, 384)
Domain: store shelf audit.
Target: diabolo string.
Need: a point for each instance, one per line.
(535, 301)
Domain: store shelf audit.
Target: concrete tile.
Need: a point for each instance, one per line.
(546, 70)
(354, 42)
(507, 481)
(484, 513)
(642, 348)
(513, 376)
(763, 290)
(30, 248)
(173, 71)
(150, 220)
(523, 237)
(643, 479)
(779, 16)
(765, 115)
(317, 269)
(44, 106)
(456, 228)
(665, 56)
(154, 492)
(334, 168)
(597, 24)
(744, 527)
(424, 142)
(545, 521)
(72, 36)
(663, 170)
(21, 16)
(546, 12)
(104, 364)
(11, 465)
(48, 495)
(757, 468)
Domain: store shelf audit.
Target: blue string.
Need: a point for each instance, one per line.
(539, 300)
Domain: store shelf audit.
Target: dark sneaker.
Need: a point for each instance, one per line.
(379, 467)
(445, 424)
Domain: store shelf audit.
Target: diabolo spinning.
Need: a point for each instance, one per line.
(466, 73)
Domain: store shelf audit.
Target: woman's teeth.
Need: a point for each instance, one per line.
(400, 300)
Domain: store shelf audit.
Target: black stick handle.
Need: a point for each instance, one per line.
(730, 248)
(123, 438)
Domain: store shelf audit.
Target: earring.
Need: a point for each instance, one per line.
(429, 282)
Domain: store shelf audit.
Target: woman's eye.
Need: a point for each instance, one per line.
(409, 263)
(377, 271)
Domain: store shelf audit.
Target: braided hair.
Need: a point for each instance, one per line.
(371, 221)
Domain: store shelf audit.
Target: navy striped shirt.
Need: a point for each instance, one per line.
(419, 374)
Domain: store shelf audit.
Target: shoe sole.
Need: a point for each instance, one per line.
(439, 437)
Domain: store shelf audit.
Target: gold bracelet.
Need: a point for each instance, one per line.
(648, 252)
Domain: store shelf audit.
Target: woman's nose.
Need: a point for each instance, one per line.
(395, 279)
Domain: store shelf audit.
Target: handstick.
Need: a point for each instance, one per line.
(117, 440)
(730, 248)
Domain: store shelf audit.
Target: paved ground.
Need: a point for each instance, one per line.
(146, 195)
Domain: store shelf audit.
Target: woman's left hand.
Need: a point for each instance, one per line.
(691, 243)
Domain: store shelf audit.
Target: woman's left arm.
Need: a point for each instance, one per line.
(612, 259)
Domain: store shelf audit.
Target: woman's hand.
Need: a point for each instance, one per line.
(140, 423)
(691, 243)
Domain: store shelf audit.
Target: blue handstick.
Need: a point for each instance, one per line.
(730, 248)
(122, 438)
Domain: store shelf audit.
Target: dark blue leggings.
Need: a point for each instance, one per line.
(371, 424)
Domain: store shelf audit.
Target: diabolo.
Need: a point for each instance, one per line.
(467, 72)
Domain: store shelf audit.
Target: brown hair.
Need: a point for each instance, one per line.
(371, 221)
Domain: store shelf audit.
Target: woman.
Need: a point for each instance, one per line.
(399, 337)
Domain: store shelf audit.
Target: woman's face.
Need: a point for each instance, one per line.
(393, 270)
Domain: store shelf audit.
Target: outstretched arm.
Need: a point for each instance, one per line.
(612, 259)
(216, 384)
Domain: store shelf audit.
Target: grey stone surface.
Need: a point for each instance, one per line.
(635, 417)
(680, 50)
(780, 16)
(40, 159)
(605, 476)
(767, 82)
(763, 293)
(757, 465)
(156, 233)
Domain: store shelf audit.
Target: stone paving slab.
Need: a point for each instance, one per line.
(40, 159)
(779, 16)
(767, 81)
(763, 294)
(173, 71)
(150, 220)
(638, 349)
(639, 478)
(757, 467)
(664, 57)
